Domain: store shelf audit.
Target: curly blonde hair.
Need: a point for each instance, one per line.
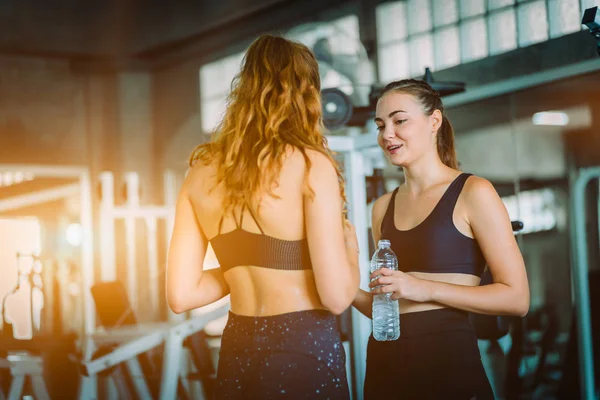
(274, 103)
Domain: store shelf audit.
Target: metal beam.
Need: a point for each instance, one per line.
(51, 171)
(520, 83)
(38, 197)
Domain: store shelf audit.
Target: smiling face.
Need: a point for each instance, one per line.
(406, 132)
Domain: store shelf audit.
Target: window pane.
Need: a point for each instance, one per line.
(471, 8)
(393, 62)
(421, 54)
(211, 80)
(495, 4)
(447, 49)
(533, 23)
(473, 39)
(445, 12)
(231, 66)
(564, 17)
(348, 25)
(391, 22)
(503, 31)
(212, 112)
(419, 16)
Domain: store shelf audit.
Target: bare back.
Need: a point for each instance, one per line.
(255, 290)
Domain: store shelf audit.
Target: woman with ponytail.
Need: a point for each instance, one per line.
(267, 193)
(444, 226)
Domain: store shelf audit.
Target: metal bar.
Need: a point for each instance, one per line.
(139, 212)
(138, 379)
(581, 282)
(340, 144)
(88, 387)
(133, 201)
(38, 197)
(132, 183)
(152, 258)
(356, 190)
(108, 255)
(173, 349)
(344, 144)
(367, 140)
(173, 352)
(39, 387)
(123, 353)
(45, 170)
(127, 333)
(130, 262)
(16, 387)
(87, 252)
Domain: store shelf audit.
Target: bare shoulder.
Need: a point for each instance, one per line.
(197, 176)
(321, 166)
(481, 197)
(319, 159)
(478, 189)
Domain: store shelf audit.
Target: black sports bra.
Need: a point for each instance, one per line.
(240, 247)
(435, 245)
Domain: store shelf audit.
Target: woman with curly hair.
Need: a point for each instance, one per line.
(268, 195)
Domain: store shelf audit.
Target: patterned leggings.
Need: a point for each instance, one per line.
(297, 355)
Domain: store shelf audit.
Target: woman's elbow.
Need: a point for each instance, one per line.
(336, 308)
(337, 304)
(177, 303)
(523, 307)
(177, 308)
(521, 304)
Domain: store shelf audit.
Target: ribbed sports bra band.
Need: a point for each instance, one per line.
(242, 248)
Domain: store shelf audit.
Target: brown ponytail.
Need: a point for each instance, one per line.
(445, 144)
(431, 101)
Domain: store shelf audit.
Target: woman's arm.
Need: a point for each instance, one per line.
(187, 286)
(507, 295)
(334, 260)
(363, 301)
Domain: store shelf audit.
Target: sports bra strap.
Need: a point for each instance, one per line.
(238, 225)
(221, 223)
(255, 221)
(388, 217)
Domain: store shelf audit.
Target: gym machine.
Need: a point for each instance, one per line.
(125, 352)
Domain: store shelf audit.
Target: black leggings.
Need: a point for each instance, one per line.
(436, 357)
(297, 355)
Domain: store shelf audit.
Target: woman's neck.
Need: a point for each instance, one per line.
(422, 175)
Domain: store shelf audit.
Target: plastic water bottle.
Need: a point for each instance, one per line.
(386, 314)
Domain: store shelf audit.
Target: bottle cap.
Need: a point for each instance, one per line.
(384, 243)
